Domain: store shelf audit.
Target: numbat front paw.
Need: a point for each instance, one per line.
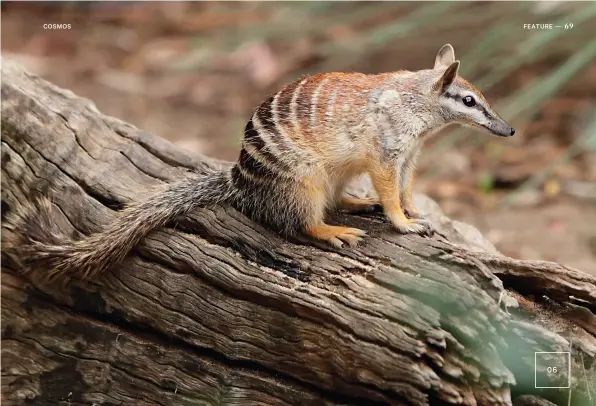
(415, 226)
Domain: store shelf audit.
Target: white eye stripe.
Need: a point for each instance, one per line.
(455, 105)
(479, 117)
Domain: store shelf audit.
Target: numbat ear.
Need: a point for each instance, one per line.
(447, 78)
(445, 57)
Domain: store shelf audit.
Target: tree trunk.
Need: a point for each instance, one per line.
(219, 310)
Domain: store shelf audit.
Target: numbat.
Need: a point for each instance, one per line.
(300, 148)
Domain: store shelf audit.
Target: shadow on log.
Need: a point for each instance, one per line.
(217, 310)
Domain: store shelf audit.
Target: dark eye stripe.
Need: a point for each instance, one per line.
(478, 106)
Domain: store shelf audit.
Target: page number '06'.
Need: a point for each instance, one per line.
(552, 370)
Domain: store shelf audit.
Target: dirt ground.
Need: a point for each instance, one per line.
(121, 71)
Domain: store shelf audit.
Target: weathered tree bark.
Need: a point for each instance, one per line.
(218, 310)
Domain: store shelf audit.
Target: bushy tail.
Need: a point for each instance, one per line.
(36, 241)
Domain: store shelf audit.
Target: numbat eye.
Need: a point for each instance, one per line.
(469, 101)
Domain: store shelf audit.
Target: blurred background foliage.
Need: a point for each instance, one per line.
(192, 72)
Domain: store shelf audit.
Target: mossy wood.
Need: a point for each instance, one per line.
(216, 310)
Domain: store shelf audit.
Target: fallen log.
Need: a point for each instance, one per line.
(216, 309)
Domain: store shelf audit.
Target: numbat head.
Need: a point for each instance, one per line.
(459, 101)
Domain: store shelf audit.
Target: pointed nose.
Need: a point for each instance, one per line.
(511, 131)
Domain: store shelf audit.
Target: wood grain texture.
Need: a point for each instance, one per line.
(215, 309)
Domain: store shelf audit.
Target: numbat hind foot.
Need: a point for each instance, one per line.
(337, 235)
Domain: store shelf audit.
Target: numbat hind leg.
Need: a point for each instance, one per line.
(336, 235)
(358, 205)
(315, 225)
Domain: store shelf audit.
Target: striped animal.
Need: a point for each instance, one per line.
(300, 148)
